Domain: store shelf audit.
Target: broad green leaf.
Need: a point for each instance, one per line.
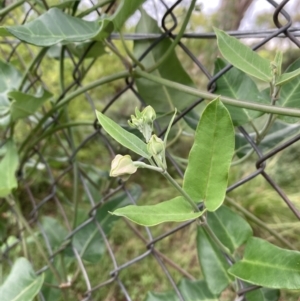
(88, 241)
(242, 57)
(290, 93)
(125, 138)
(191, 291)
(55, 26)
(268, 265)
(236, 84)
(8, 167)
(231, 229)
(286, 77)
(125, 9)
(95, 49)
(206, 175)
(86, 50)
(24, 105)
(161, 98)
(10, 79)
(22, 283)
(263, 294)
(196, 290)
(213, 264)
(54, 231)
(174, 210)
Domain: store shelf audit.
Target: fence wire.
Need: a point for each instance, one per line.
(72, 169)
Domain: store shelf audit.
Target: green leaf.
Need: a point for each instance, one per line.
(161, 98)
(88, 241)
(125, 9)
(55, 26)
(196, 290)
(236, 84)
(24, 105)
(290, 93)
(286, 77)
(231, 229)
(174, 210)
(213, 264)
(242, 57)
(125, 138)
(8, 168)
(10, 79)
(206, 175)
(22, 283)
(263, 294)
(263, 263)
(54, 231)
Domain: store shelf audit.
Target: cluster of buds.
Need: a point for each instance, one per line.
(143, 121)
(123, 166)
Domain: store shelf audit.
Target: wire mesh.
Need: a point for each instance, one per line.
(52, 199)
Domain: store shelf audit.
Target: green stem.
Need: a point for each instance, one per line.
(68, 98)
(176, 40)
(227, 100)
(37, 58)
(144, 165)
(11, 7)
(130, 54)
(182, 192)
(216, 239)
(260, 223)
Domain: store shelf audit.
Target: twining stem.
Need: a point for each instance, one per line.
(11, 7)
(226, 100)
(33, 63)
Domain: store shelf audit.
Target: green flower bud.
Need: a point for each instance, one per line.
(149, 115)
(155, 146)
(143, 121)
(122, 166)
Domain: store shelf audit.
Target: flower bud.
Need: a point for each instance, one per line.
(149, 115)
(155, 146)
(122, 166)
(143, 121)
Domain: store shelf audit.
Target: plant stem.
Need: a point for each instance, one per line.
(215, 238)
(37, 58)
(227, 100)
(11, 7)
(182, 192)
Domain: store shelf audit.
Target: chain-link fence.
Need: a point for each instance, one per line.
(48, 200)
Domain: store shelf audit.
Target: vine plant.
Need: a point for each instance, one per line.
(264, 267)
